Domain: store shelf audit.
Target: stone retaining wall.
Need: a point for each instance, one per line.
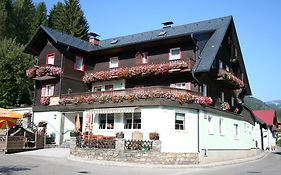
(153, 156)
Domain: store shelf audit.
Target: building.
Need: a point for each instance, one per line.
(185, 82)
(268, 128)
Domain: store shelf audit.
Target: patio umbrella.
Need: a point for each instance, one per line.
(8, 118)
(77, 122)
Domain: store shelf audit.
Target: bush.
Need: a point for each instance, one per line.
(278, 142)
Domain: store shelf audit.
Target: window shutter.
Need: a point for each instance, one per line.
(43, 91)
(52, 90)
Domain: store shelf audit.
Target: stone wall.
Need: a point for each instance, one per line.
(153, 156)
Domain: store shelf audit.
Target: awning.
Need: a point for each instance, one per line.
(7, 114)
(115, 110)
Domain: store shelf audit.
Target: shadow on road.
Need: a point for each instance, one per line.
(278, 153)
(12, 169)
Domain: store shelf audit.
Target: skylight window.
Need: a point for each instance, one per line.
(162, 33)
(114, 41)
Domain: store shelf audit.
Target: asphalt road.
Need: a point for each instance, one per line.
(55, 162)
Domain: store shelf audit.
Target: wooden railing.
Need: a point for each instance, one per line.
(164, 89)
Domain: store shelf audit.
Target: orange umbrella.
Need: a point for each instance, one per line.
(77, 122)
(8, 118)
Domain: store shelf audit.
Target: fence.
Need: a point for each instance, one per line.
(138, 145)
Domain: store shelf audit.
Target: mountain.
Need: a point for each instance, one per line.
(256, 104)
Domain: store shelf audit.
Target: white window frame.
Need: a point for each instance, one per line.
(220, 64)
(232, 101)
(49, 90)
(80, 60)
(133, 124)
(183, 122)
(210, 125)
(227, 68)
(144, 58)
(180, 85)
(106, 127)
(174, 57)
(236, 131)
(205, 90)
(222, 97)
(51, 58)
(221, 126)
(112, 64)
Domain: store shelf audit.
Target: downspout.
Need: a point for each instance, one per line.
(262, 147)
(197, 57)
(198, 132)
(61, 65)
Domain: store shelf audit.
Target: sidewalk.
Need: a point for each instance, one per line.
(209, 165)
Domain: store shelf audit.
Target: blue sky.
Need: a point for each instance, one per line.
(258, 25)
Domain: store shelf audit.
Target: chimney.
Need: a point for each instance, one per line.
(93, 38)
(167, 24)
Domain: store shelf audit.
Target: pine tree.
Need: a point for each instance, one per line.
(22, 19)
(70, 20)
(40, 16)
(15, 88)
(55, 17)
(5, 11)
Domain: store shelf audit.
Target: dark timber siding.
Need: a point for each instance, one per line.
(48, 49)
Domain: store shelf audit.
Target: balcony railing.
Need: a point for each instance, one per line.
(44, 72)
(223, 75)
(134, 94)
(141, 70)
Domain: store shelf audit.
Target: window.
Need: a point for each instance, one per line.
(132, 120)
(210, 125)
(141, 58)
(50, 59)
(220, 64)
(204, 90)
(180, 121)
(236, 131)
(175, 54)
(97, 89)
(78, 65)
(47, 90)
(221, 126)
(222, 96)
(113, 63)
(232, 101)
(180, 85)
(108, 87)
(106, 121)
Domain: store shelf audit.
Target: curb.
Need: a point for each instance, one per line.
(208, 165)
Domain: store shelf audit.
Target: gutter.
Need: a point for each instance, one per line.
(197, 55)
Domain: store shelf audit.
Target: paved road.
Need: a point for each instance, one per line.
(55, 162)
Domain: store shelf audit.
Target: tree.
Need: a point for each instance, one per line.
(15, 88)
(69, 18)
(55, 17)
(5, 10)
(40, 17)
(22, 20)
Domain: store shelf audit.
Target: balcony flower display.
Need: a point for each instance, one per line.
(143, 70)
(224, 75)
(45, 100)
(225, 106)
(135, 96)
(43, 71)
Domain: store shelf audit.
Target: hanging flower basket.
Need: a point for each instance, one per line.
(43, 71)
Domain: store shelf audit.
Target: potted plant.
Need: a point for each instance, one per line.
(119, 135)
(75, 133)
(154, 136)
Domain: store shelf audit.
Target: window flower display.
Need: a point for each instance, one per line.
(43, 71)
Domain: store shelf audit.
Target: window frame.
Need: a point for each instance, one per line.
(83, 65)
(48, 92)
(236, 131)
(47, 58)
(95, 87)
(204, 90)
(222, 97)
(106, 124)
(108, 85)
(211, 129)
(180, 87)
(170, 54)
(110, 63)
(178, 128)
(133, 123)
(221, 126)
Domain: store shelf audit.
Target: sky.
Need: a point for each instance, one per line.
(257, 22)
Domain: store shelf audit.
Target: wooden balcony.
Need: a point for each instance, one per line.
(229, 79)
(43, 73)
